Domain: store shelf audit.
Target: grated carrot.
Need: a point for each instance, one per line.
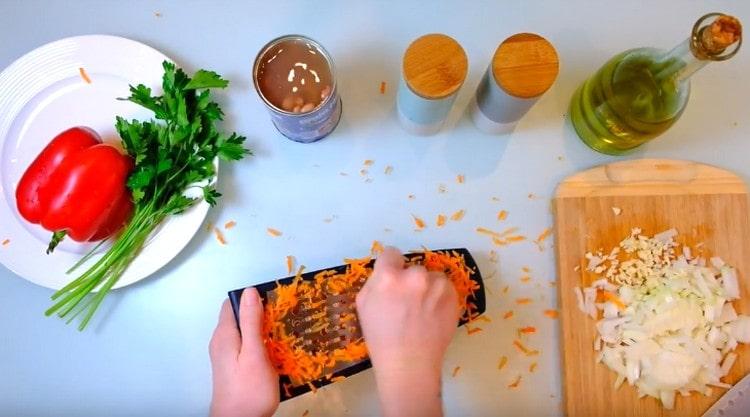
(338, 378)
(524, 300)
(287, 350)
(219, 236)
(418, 222)
(526, 351)
(472, 330)
(508, 314)
(273, 232)
(457, 216)
(230, 224)
(460, 178)
(84, 75)
(6, 242)
(525, 279)
(388, 170)
(289, 264)
(455, 371)
(527, 330)
(440, 220)
(516, 382)
(505, 289)
(542, 237)
(532, 367)
(502, 215)
(382, 87)
(614, 299)
(376, 248)
(502, 362)
(368, 162)
(305, 413)
(526, 269)
(484, 318)
(551, 313)
(485, 231)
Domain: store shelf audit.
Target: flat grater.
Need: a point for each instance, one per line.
(341, 331)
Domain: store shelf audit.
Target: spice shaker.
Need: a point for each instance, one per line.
(434, 68)
(523, 68)
(295, 78)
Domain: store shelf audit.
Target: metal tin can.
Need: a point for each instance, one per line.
(433, 70)
(299, 126)
(523, 68)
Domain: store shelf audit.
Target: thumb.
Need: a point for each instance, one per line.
(251, 323)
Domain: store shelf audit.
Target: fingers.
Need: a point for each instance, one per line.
(225, 342)
(251, 323)
(390, 261)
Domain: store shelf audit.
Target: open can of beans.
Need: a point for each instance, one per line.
(295, 78)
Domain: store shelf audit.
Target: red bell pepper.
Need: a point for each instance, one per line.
(77, 186)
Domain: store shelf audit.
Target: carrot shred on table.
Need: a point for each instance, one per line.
(219, 236)
(382, 87)
(505, 289)
(484, 318)
(455, 371)
(542, 237)
(525, 278)
(460, 178)
(532, 367)
(289, 264)
(525, 350)
(304, 414)
(551, 313)
(388, 170)
(473, 330)
(418, 222)
(614, 299)
(230, 224)
(502, 362)
(440, 220)
(368, 162)
(516, 382)
(502, 215)
(273, 232)
(508, 314)
(338, 378)
(313, 388)
(524, 300)
(526, 269)
(457, 216)
(6, 242)
(84, 75)
(376, 248)
(527, 330)
(485, 231)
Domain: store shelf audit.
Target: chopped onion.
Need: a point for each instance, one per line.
(671, 327)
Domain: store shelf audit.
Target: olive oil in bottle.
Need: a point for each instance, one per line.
(640, 93)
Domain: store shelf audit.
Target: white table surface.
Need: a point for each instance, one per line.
(146, 353)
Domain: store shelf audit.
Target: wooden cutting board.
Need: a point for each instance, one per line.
(705, 204)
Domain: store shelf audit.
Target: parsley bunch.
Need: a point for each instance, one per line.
(173, 153)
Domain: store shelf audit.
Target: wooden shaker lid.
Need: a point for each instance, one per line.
(525, 65)
(435, 66)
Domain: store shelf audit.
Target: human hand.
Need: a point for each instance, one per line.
(245, 384)
(408, 318)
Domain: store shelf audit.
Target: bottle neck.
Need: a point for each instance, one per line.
(680, 63)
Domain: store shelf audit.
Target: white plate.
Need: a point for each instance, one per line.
(42, 94)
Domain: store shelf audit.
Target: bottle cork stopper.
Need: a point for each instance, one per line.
(435, 66)
(525, 65)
